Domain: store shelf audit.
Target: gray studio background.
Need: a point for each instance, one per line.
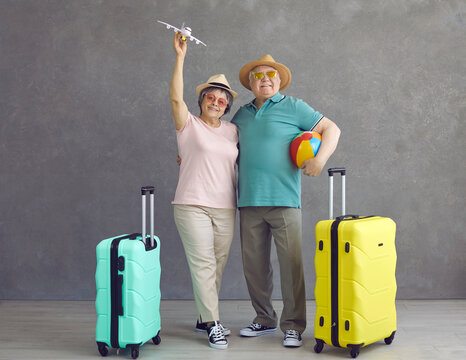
(85, 121)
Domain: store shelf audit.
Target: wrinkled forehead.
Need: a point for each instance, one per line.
(263, 68)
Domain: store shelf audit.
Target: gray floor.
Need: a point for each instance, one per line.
(65, 330)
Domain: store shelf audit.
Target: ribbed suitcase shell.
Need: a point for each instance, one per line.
(363, 297)
(140, 321)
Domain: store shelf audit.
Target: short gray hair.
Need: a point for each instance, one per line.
(212, 88)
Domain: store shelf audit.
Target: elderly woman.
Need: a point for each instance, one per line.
(205, 199)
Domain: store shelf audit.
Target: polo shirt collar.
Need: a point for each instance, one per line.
(276, 99)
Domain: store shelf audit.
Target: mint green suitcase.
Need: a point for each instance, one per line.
(128, 288)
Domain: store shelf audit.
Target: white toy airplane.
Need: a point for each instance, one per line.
(185, 32)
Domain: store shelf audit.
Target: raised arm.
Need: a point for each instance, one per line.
(179, 108)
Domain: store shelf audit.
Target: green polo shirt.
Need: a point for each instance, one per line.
(267, 177)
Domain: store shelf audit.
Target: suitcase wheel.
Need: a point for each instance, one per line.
(318, 346)
(134, 351)
(102, 348)
(156, 339)
(354, 350)
(389, 340)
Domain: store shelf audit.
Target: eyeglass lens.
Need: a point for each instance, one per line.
(260, 74)
(220, 101)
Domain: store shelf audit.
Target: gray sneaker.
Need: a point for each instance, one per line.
(292, 339)
(256, 329)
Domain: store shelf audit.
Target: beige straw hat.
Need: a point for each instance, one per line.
(219, 81)
(284, 72)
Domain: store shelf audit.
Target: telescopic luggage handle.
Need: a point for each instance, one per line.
(151, 191)
(332, 171)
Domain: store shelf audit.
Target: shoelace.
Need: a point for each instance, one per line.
(255, 326)
(216, 332)
(292, 334)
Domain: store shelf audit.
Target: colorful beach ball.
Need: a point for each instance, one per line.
(304, 147)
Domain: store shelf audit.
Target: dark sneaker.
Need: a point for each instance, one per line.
(202, 327)
(217, 338)
(292, 339)
(256, 329)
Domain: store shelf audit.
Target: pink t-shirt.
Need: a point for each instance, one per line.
(208, 157)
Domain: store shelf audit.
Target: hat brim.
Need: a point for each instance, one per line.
(283, 71)
(201, 87)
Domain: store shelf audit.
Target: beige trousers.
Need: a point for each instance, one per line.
(206, 234)
(257, 225)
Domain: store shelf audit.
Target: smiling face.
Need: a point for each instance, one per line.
(213, 109)
(264, 88)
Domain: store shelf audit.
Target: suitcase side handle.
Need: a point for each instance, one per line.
(353, 217)
(344, 217)
(331, 171)
(151, 191)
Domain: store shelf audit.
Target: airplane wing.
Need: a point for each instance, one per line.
(192, 38)
(169, 26)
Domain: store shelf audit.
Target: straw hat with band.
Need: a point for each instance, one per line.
(219, 81)
(283, 71)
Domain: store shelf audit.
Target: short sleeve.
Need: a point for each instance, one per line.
(188, 123)
(307, 116)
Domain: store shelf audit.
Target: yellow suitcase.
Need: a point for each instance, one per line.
(355, 287)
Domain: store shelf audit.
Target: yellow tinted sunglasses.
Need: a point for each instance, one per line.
(259, 75)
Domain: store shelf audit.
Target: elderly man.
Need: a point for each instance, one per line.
(270, 193)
